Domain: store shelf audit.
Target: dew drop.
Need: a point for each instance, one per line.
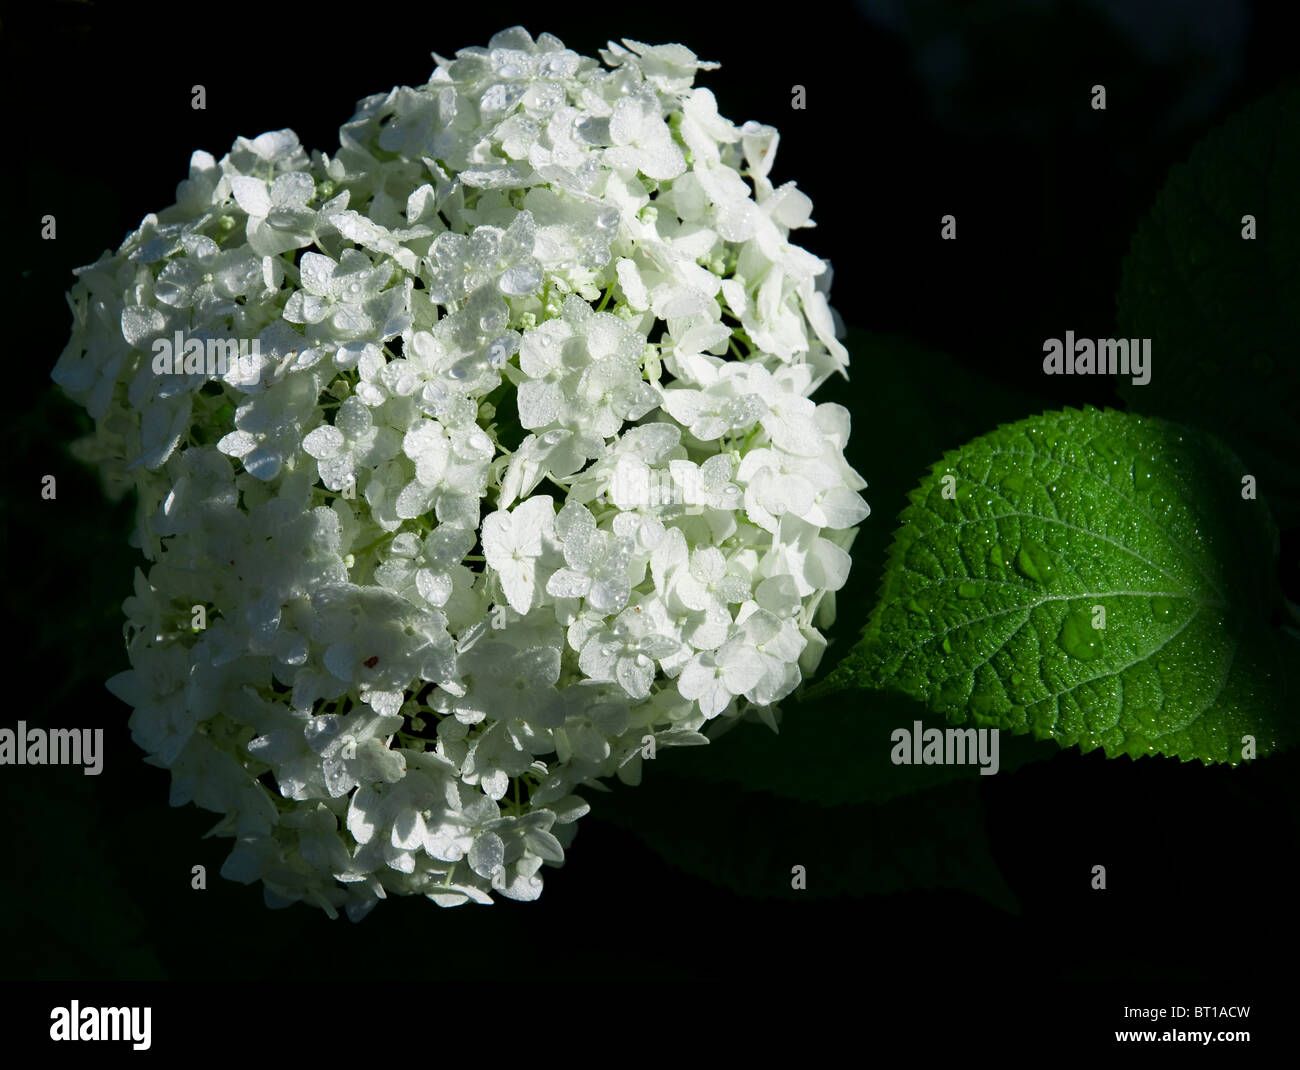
(1033, 562)
(1013, 483)
(1079, 638)
(1143, 473)
(499, 317)
(1107, 448)
(1161, 607)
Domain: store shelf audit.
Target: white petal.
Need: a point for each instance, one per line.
(251, 195)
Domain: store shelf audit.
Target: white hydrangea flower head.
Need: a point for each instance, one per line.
(518, 464)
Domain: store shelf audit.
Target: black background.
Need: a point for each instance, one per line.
(1047, 193)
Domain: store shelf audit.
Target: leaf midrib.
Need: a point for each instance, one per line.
(1124, 498)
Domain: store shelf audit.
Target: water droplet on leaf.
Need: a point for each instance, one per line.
(1143, 473)
(1034, 562)
(1161, 607)
(1079, 638)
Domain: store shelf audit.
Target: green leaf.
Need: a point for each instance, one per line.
(989, 602)
(748, 841)
(1223, 312)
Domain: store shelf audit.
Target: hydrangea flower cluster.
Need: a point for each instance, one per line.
(519, 477)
